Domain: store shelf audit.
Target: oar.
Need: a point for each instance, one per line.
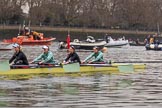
(97, 65)
(73, 67)
(4, 66)
(46, 65)
(151, 61)
(24, 66)
(126, 68)
(121, 67)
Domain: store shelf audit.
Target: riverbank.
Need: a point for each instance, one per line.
(65, 29)
(60, 33)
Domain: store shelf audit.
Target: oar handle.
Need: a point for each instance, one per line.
(46, 65)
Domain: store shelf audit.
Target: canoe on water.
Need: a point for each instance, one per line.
(5, 69)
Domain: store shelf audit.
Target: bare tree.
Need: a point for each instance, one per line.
(124, 14)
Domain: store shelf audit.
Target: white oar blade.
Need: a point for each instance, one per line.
(4, 66)
(75, 67)
(126, 68)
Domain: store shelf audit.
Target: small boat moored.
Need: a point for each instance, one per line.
(153, 46)
(24, 40)
(87, 44)
(28, 37)
(114, 43)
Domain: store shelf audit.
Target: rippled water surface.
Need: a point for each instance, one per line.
(142, 90)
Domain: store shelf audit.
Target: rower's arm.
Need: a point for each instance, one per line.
(38, 58)
(89, 57)
(12, 58)
(68, 57)
(98, 57)
(50, 55)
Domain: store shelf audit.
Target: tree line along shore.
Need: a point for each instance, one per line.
(121, 14)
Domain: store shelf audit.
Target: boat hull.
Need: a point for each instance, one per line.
(46, 41)
(113, 43)
(153, 47)
(59, 70)
(39, 42)
(87, 47)
(84, 45)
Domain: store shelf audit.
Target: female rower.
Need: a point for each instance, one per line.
(97, 54)
(46, 57)
(18, 57)
(72, 56)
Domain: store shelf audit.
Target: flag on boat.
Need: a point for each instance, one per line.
(68, 41)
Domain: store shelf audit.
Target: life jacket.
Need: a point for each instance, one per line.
(35, 33)
(151, 40)
(40, 35)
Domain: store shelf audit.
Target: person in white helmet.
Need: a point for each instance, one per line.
(18, 57)
(45, 57)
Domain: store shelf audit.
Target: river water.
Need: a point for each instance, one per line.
(138, 90)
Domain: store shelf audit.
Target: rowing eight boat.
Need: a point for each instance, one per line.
(72, 68)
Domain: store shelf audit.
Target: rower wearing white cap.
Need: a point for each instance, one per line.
(45, 57)
(19, 57)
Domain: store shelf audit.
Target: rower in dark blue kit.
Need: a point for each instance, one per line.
(18, 57)
(72, 56)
